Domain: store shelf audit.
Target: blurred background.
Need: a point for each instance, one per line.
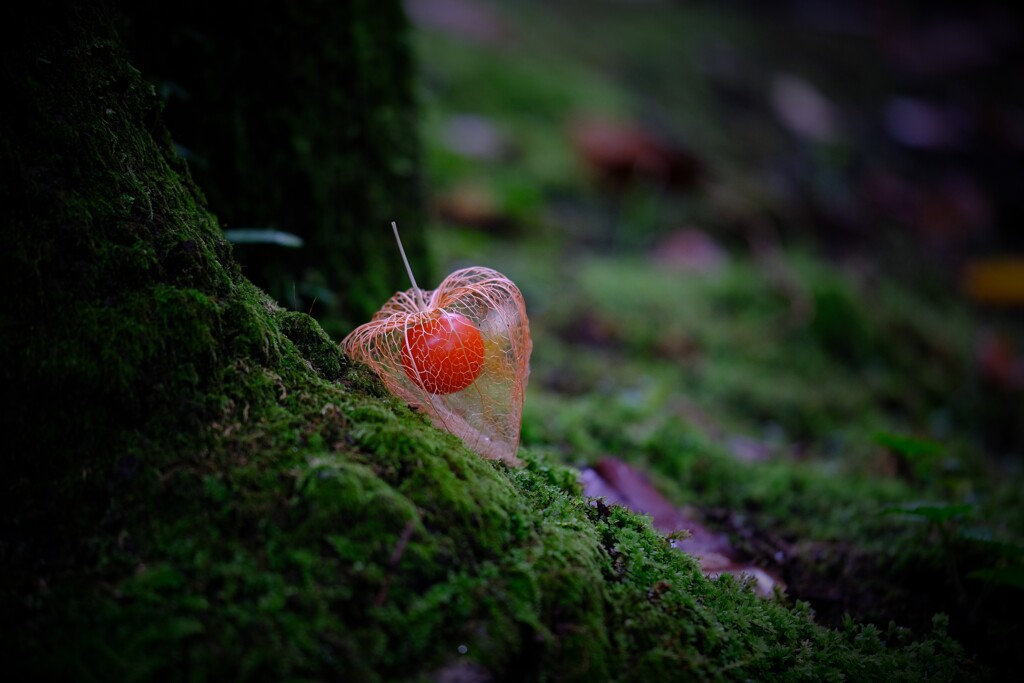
(802, 209)
(772, 259)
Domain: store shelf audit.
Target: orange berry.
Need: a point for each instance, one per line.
(445, 354)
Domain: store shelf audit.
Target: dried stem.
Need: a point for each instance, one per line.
(408, 269)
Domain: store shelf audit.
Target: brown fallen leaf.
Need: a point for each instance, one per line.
(621, 484)
(471, 204)
(620, 154)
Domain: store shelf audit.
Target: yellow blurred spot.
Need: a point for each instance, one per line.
(996, 281)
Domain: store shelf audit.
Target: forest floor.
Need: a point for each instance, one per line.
(765, 262)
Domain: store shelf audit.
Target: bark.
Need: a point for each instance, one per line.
(298, 117)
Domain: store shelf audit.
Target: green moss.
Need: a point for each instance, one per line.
(314, 344)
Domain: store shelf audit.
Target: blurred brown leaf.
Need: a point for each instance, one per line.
(620, 154)
(619, 483)
(471, 204)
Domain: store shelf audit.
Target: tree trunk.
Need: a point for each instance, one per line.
(297, 117)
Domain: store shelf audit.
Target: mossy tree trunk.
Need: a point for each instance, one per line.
(298, 117)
